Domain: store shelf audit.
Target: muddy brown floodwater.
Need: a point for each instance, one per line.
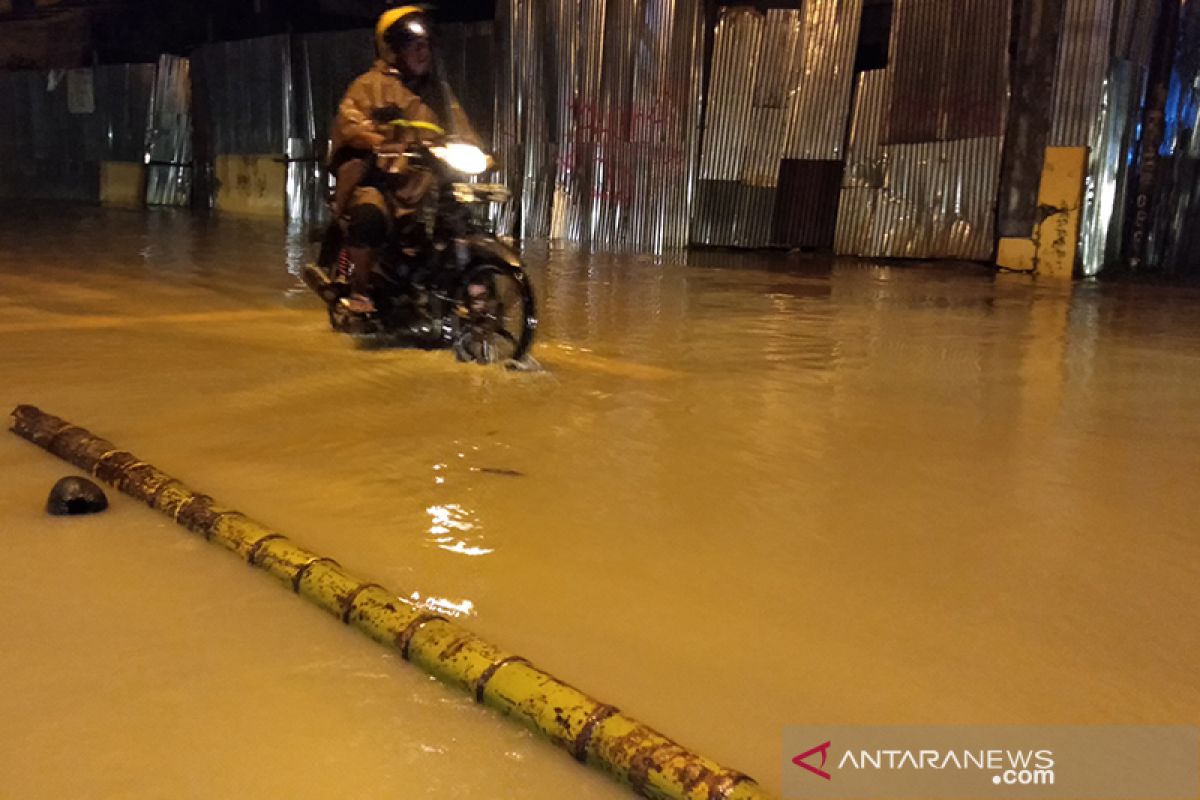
(747, 492)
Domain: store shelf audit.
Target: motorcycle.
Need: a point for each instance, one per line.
(462, 288)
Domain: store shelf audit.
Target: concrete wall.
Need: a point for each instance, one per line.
(251, 185)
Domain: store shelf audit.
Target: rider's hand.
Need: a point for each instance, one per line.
(367, 140)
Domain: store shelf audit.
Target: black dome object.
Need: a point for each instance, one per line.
(71, 496)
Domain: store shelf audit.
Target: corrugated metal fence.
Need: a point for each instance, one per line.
(68, 124)
(776, 116)
(1098, 101)
(169, 135)
(1175, 240)
(1083, 117)
(272, 97)
(594, 110)
(923, 168)
(72, 122)
(596, 119)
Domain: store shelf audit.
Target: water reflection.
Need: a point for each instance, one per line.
(444, 605)
(450, 524)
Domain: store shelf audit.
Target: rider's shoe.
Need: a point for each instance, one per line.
(359, 304)
(315, 278)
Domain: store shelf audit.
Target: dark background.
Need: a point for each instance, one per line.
(132, 31)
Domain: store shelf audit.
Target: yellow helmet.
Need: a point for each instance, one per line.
(398, 26)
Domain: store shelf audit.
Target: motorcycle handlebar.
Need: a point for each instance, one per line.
(436, 130)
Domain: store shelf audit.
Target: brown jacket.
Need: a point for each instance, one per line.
(381, 87)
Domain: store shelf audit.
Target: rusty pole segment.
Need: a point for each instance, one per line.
(593, 732)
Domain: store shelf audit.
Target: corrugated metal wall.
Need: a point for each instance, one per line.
(594, 115)
(1035, 54)
(242, 105)
(1104, 203)
(320, 67)
(949, 62)
(1084, 64)
(246, 94)
(70, 123)
(820, 106)
(1099, 88)
(468, 60)
(742, 140)
(1101, 51)
(597, 118)
(1174, 245)
(274, 96)
(1101, 100)
(923, 169)
(169, 135)
(1084, 52)
(1105, 213)
(778, 105)
(520, 119)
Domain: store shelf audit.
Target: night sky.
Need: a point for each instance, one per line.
(138, 30)
(131, 31)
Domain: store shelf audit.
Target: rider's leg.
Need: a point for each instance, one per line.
(349, 176)
(366, 233)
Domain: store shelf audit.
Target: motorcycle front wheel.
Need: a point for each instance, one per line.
(498, 314)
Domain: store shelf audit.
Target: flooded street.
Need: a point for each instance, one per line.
(746, 492)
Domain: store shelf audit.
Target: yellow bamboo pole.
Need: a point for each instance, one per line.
(593, 732)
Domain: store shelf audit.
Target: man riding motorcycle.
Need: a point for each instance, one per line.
(402, 87)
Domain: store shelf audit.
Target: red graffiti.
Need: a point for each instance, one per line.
(610, 145)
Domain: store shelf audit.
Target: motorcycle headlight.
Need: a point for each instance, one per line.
(460, 157)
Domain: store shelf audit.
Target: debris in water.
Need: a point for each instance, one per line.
(511, 473)
(72, 496)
